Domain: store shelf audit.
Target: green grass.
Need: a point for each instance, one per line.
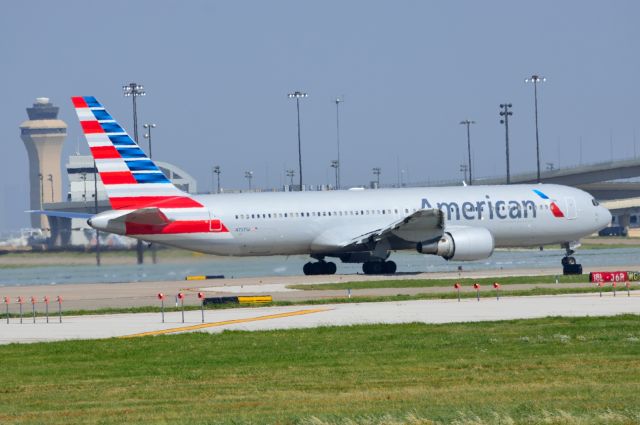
(429, 283)
(554, 370)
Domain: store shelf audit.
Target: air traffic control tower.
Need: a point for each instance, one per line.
(43, 135)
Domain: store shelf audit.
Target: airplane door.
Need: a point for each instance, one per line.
(572, 211)
(215, 225)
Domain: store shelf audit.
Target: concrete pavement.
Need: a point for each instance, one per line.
(265, 318)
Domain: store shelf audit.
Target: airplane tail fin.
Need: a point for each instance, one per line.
(131, 179)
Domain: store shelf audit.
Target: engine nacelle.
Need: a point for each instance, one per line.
(461, 244)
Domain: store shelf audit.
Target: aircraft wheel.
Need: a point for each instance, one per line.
(377, 267)
(571, 260)
(366, 267)
(389, 267)
(307, 269)
(330, 268)
(317, 268)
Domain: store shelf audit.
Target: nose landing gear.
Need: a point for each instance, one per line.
(569, 264)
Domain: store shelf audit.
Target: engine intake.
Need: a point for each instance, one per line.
(461, 244)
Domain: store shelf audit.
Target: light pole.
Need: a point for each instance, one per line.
(297, 95)
(535, 79)
(134, 90)
(505, 113)
(376, 172)
(147, 135)
(41, 189)
(83, 176)
(463, 170)
(468, 124)
(95, 207)
(216, 171)
(335, 163)
(291, 174)
(249, 176)
(50, 180)
(337, 167)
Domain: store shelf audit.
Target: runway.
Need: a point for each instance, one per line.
(269, 318)
(91, 296)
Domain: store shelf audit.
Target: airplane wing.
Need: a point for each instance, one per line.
(420, 226)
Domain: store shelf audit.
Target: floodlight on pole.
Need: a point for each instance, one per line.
(135, 90)
(297, 95)
(249, 176)
(291, 174)
(217, 171)
(505, 113)
(335, 163)
(147, 135)
(376, 172)
(468, 124)
(535, 79)
(463, 169)
(338, 101)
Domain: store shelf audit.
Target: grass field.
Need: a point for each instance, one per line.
(429, 283)
(551, 371)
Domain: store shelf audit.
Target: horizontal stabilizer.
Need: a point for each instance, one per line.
(64, 214)
(152, 216)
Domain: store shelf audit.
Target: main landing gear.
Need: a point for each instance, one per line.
(569, 264)
(379, 267)
(320, 267)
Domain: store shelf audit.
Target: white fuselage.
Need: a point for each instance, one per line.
(277, 223)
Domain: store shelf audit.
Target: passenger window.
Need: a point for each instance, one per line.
(253, 216)
(324, 213)
(406, 210)
(236, 217)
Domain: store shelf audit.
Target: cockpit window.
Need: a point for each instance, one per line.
(595, 203)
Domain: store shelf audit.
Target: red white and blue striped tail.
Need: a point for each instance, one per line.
(131, 178)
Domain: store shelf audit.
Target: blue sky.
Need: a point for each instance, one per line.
(217, 75)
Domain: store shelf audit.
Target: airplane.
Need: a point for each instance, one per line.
(461, 223)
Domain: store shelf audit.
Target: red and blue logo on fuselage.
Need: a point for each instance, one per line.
(555, 209)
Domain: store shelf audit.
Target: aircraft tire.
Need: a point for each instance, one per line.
(389, 267)
(571, 260)
(307, 269)
(330, 268)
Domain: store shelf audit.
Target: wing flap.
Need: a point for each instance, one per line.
(420, 226)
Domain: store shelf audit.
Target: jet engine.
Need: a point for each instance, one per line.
(461, 244)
